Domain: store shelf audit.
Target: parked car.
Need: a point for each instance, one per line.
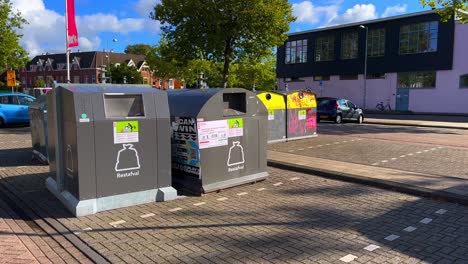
(338, 110)
(14, 108)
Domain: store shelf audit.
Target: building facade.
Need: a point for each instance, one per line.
(86, 67)
(414, 63)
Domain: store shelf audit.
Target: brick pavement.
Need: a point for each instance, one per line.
(12, 249)
(414, 157)
(289, 218)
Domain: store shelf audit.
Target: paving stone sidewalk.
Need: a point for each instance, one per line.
(12, 248)
(289, 218)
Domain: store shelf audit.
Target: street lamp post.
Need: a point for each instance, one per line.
(108, 58)
(365, 66)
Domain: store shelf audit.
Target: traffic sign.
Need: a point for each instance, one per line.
(11, 78)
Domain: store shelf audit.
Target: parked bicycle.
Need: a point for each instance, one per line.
(381, 107)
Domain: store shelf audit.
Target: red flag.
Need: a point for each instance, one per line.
(72, 32)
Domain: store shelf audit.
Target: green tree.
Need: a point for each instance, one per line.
(12, 55)
(124, 73)
(40, 83)
(449, 8)
(138, 49)
(260, 74)
(223, 30)
(163, 62)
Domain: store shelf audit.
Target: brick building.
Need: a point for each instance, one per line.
(85, 67)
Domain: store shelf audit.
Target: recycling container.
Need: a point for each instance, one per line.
(218, 140)
(114, 146)
(38, 123)
(301, 119)
(276, 106)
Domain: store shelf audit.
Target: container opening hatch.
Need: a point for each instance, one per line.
(124, 105)
(234, 104)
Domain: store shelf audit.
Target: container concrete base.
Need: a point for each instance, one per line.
(92, 206)
(234, 182)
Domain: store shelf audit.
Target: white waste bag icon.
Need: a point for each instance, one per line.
(236, 154)
(127, 159)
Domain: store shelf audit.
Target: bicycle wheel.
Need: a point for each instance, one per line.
(379, 107)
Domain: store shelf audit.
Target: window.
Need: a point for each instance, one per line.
(13, 100)
(376, 43)
(296, 51)
(325, 48)
(4, 100)
(294, 79)
(349, 77)
(322, 78)
(351, 105)
(417, 79)
(24, 100)
(376, 76)
(464, 81)
(419, 38)
(349, 45)
(76, 79)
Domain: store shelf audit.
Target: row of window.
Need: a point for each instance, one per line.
(413, 80)
(414, 38)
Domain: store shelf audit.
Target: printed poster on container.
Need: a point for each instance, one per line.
(271, 114)
(185, 153)
(236, 127)
(126, 132)
(213, 134)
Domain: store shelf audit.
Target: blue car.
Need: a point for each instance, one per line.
(14, 108)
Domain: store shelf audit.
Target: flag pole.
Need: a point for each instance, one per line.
(66, 41)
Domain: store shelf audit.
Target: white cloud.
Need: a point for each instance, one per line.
(356, 13)
(306, 12)
(144, 7)
(46, 29)
(395, 10)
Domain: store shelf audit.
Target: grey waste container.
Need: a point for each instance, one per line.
(38, 124)
(115, 147)
(219, 138)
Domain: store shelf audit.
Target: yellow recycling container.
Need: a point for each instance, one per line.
(276, 106)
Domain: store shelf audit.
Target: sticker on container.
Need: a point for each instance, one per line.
(125, 132)
(302, 114)
(212, 133)
(271, 114)
(236, 127)
(84, 118)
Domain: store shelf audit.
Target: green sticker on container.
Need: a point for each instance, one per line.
(302, 114)
(271, 114)
(126, 132)
(236, 127)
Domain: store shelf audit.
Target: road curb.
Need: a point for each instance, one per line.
(379, 183)
(412, 125)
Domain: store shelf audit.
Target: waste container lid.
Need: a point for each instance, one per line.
(40, 103)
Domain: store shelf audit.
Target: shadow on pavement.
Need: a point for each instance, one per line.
(16, 130)
(17, 157)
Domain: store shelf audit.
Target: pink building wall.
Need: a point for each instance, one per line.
(447, 97)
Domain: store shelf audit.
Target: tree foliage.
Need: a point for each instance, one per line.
(449, 8)
(125, 74)
(138, 49)
(244, 73)
(224, 31)
(40, 83)
(12, 55)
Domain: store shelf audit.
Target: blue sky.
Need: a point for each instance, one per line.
(127, 21)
